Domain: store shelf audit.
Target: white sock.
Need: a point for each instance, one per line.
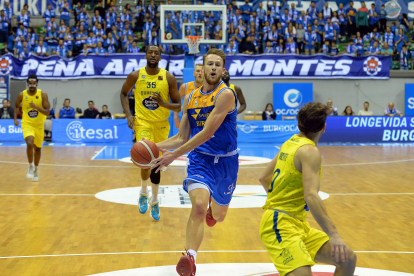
(144, 184)
(31, 164)
(193, 253)
(154, 189)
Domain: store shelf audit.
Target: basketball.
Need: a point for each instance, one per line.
(143, 152)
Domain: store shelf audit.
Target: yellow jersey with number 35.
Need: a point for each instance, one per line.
(146, 108)
(286, 189)
(29, 115)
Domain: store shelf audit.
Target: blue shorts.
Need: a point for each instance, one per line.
(219, 174)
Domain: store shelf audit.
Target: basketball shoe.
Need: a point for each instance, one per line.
(30, 171)
(186, 265)
(155, 211)
(143, 203)
(35, 175)
(209, 216)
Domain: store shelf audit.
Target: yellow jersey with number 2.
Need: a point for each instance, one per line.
(286, 189)
(146, 108)
(29, 115)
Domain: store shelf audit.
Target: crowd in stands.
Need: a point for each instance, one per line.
(279, 29)
(269, 113)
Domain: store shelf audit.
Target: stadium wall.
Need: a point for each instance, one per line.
(257, 92)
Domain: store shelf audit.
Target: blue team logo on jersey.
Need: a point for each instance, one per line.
(292, 98)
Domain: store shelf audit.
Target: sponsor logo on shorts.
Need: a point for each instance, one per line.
(303, 248)
(145, 134)
(287, 257)
(245, 269)
(150, 104)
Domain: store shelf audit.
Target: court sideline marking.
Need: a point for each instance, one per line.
(241, 167)
(169, 252)
(98, 152)
(340, 194)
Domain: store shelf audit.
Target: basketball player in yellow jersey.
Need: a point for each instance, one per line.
(292, 184)
(35, 109)
(154, 88)
(187, 88)
(242, 101)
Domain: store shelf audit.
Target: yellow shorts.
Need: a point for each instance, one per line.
(37, 131)
(290, 242)
(153, 131)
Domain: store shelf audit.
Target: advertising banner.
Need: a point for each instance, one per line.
(409, 99)
(91, 131)
(35, 7)
(4, 88)
(364, 129)
(9, 132)
(265, 131)
(239, 66)
(289, 97)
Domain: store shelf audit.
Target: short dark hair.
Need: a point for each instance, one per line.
(32, 76)
(312, 117)
(217, 52)
(4, 100)
(159, 50)
(67, 100)
(104, 106)
(91, 102)
(366, 102)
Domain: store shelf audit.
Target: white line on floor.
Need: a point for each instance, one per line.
(169, 252)
(371, 194)
(98, 152)
(368, 163)
(47, 195)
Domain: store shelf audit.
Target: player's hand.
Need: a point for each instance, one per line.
(166, 159)
(32, 105)
(16, 123)
(156, 96)
(131, 121)
(339, 251)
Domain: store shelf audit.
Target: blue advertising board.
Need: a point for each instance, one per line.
(289, 97)
(265, 131)
(239, 66)
(9, 132)
(409, 99)
(4, 88)
(369, 129)
(91, 131)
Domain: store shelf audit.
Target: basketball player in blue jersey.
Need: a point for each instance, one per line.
(208, 130)
(187, 88)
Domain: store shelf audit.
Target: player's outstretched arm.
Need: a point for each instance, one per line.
(310, 159)
(242, 100)
(183, 132)
(175, 104)
(128, 84)
(224, 104)
(266, 176)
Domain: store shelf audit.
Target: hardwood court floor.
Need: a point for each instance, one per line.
(58, 219)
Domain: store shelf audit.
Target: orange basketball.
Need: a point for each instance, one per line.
(143, 152)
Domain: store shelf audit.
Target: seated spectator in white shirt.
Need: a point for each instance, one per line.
(348, 111)
(365, 112)
(105, 114)
(334, 110)
(391, 111)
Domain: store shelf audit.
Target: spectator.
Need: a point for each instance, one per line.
(269, 49)
(374, 36)
(327, 12)
(4, 28)
(83, 18)
(386, 51)
(404, 56)
(348, 111)
(365, 112)
(342, 19)
(373, 18)
(300, 36)
(24, 19)
(269, 113)
(11, 40)
(100, 33)
(333, 110)
(359, 44)
(105, 114)
(91, 42)
(333, 51)
(67, 112)
(80, 39)
(362, 19)
(48, 14)
(68, 39)
(132, 48)
(111, 44)
(312, 11)
(310, 41)
(374, 49)
(248, 46)
(24, 51)
(391, 111)
(280, 48)
(65, 11)
(6, 112)
(382, 19)
(78, 10)
(291, 47)
(97, 18)
(32, 38)
(100, 9)
(232, 48)
(246, 10)
(329, 32)
(91, 112)
(293, 14)
(51, 38)
(325, 48)
(388, 37)
(99, 50)
(404, 24)
(110, 19)
(62, 29)
(351, 49)
(394, 28)
(400, 40)
(126, 17)
(40, 50)
(61, 50)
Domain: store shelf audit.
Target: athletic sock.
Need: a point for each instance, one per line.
(31, 165)
(193, 253)
(154, 189)
(144, 185)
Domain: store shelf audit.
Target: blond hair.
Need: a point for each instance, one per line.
(215, 51)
